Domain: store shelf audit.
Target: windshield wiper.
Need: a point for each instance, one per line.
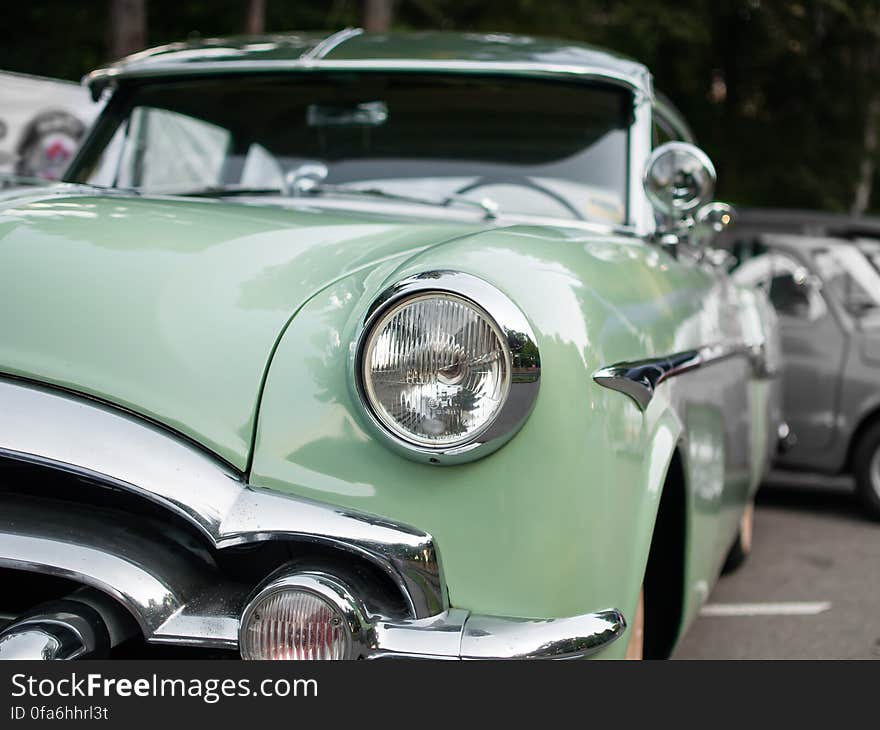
(223, 191)
(487, 205)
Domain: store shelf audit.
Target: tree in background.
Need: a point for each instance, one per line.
(256, 17)
(868, 62)
(376, 15)
(783, 94)
(127, 27)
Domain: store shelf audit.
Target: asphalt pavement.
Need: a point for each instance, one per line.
(809, 590)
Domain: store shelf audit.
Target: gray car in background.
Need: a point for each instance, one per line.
(871, 248)
(822, 276)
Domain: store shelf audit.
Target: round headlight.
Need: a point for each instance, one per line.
(302, 616)
(436, 370)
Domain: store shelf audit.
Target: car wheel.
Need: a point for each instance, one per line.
(742, 546)
(866, 463)
(636, 643)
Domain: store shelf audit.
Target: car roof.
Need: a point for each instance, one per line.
(353, 49)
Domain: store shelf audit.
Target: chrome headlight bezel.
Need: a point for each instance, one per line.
(516, 335)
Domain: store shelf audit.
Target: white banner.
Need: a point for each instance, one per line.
(42, 122)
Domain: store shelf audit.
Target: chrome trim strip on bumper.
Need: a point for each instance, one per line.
(67, 432)
(491, 637)
(457, 634)
(640, 379)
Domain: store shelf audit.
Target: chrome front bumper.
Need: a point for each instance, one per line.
(180, 597)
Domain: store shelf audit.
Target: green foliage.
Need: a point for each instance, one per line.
(776, 90)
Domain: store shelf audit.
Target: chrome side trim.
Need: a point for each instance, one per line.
(639, 379)
(525, 363)
(93, 440)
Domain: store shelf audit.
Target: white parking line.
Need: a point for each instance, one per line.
(765, 609)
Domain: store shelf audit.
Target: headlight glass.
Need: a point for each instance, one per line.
(294, 625)
(436, 370)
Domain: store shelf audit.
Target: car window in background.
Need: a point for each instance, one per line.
(871, 249)
(535, 147)
(850, 277)
(788, 284)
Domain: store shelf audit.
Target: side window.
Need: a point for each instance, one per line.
(183, 152)
(850, 278)
(789, 295)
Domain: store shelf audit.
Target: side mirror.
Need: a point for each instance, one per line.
(710, 220)
(715, 217)
(679, 178)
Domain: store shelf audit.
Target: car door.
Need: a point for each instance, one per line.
(813, 350)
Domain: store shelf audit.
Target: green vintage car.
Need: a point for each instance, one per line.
(370, 346)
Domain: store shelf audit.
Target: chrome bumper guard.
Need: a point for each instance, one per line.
(175, 596)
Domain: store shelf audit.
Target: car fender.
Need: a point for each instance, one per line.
(559, 520)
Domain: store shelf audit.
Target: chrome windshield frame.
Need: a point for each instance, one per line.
(100, 79)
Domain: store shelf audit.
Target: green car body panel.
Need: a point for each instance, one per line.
(235, 325)
(170, 307)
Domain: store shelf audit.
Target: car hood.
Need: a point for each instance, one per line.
(172, 307)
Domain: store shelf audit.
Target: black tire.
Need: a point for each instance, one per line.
(866, 470)
(742, 546)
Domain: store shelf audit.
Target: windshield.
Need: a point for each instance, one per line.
(533, 147)
(849, 275)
